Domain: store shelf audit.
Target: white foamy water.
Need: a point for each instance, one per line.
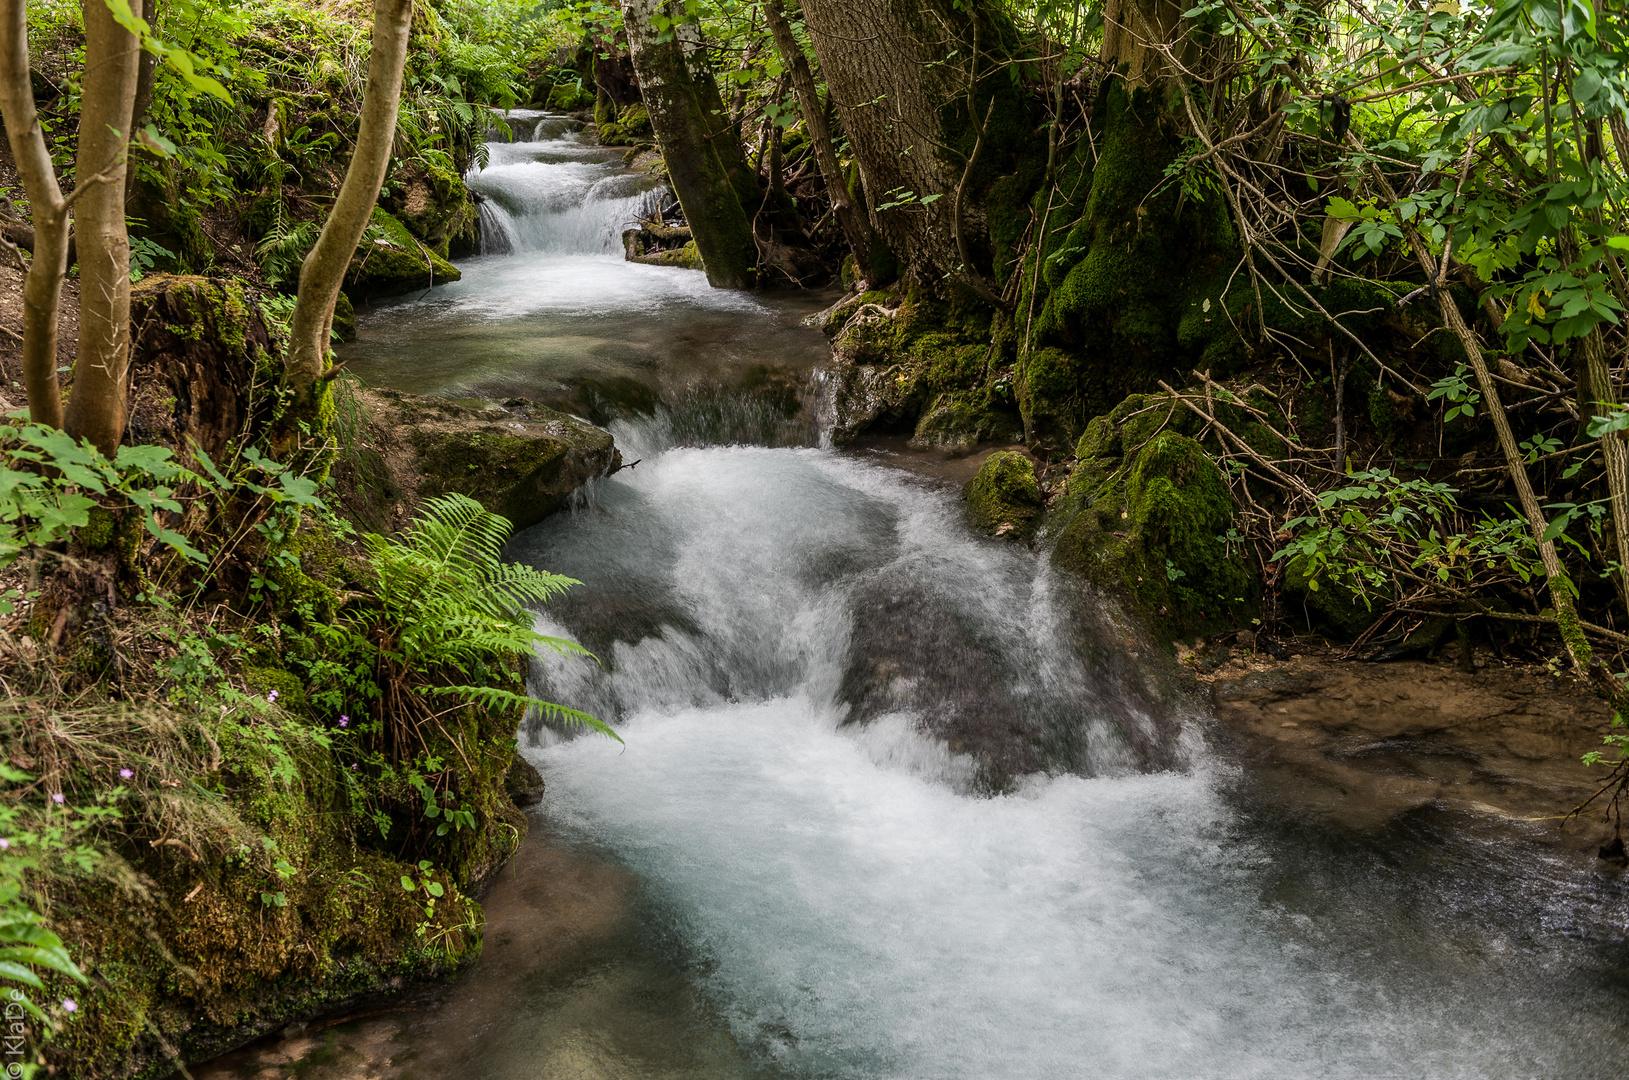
(856, 907)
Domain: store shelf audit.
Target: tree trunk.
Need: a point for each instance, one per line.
(1142, 37)
(884, 62)
(323, 271)
(96, 409)
(704, 159)
(42, 288)
(855, 228)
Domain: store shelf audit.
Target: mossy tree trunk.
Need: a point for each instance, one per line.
(323, 271)
(1124, 254)
(884, 63)
(704, 159)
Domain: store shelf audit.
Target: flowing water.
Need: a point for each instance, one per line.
(895, 800)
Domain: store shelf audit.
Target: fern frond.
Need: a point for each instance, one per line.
(494, 698)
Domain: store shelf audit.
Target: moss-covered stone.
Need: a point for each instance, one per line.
(392, 261)
(523, 461)
(1145, 515)
(435, 207)
(962, 420)
(1004, 499)
(630, 128)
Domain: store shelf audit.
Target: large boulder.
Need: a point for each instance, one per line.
(521, 460)
(1147, 516)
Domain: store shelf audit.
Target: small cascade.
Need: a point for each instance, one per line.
(554, 190)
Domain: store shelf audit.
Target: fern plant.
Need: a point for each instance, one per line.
(449, 611)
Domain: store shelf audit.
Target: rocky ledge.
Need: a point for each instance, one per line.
(520, 459)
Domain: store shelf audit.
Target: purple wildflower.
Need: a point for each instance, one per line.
(59, 798)
(69, 1004)
(345, 721)
(4, 843)
(125, 774)
(272, 697)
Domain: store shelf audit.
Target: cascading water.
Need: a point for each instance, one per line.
(553, 311)
(814, 666)
(900, 801)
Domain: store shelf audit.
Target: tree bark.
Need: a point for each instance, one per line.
(323, 271)
(1146, 41)
(856, 230)
(704, 159)
(42, 288)
(884, 62)
(96, 409)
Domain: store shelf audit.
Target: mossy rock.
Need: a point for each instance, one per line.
(394, 262)
(631, 127)
(523, 461)
(1004, 499)
(1148, 521)
(344, 318)
(569, 97)
(1331, 603)
(435, 207)
(962, 420)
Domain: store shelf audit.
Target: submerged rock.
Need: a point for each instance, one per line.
(522, 460)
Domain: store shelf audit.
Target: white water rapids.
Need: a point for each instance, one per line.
(900, 801)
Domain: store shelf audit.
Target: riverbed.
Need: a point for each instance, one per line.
(897, 800)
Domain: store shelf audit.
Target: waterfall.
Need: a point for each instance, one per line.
(554, 190)
(850, 588)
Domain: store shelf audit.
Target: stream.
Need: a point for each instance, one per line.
(896, 800)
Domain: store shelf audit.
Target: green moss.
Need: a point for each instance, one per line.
(400, 264)
(631, 127)
(98, 532)
(265, 681)
(569, 97)
(962, 420)
(1004, 499)
(1151, 526)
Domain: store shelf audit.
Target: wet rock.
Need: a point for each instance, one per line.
(1365, 743)
(912, 653)
(960, 421)
(1613, 852)
(1004, 499)
(523, 461)
(523, 783)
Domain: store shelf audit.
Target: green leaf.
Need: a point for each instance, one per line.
(407, 883)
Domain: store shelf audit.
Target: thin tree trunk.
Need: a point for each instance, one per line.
(1560, 587)
(323, 271)
(96, 409)
(695, 144)
(42, 289)
(855, 228)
